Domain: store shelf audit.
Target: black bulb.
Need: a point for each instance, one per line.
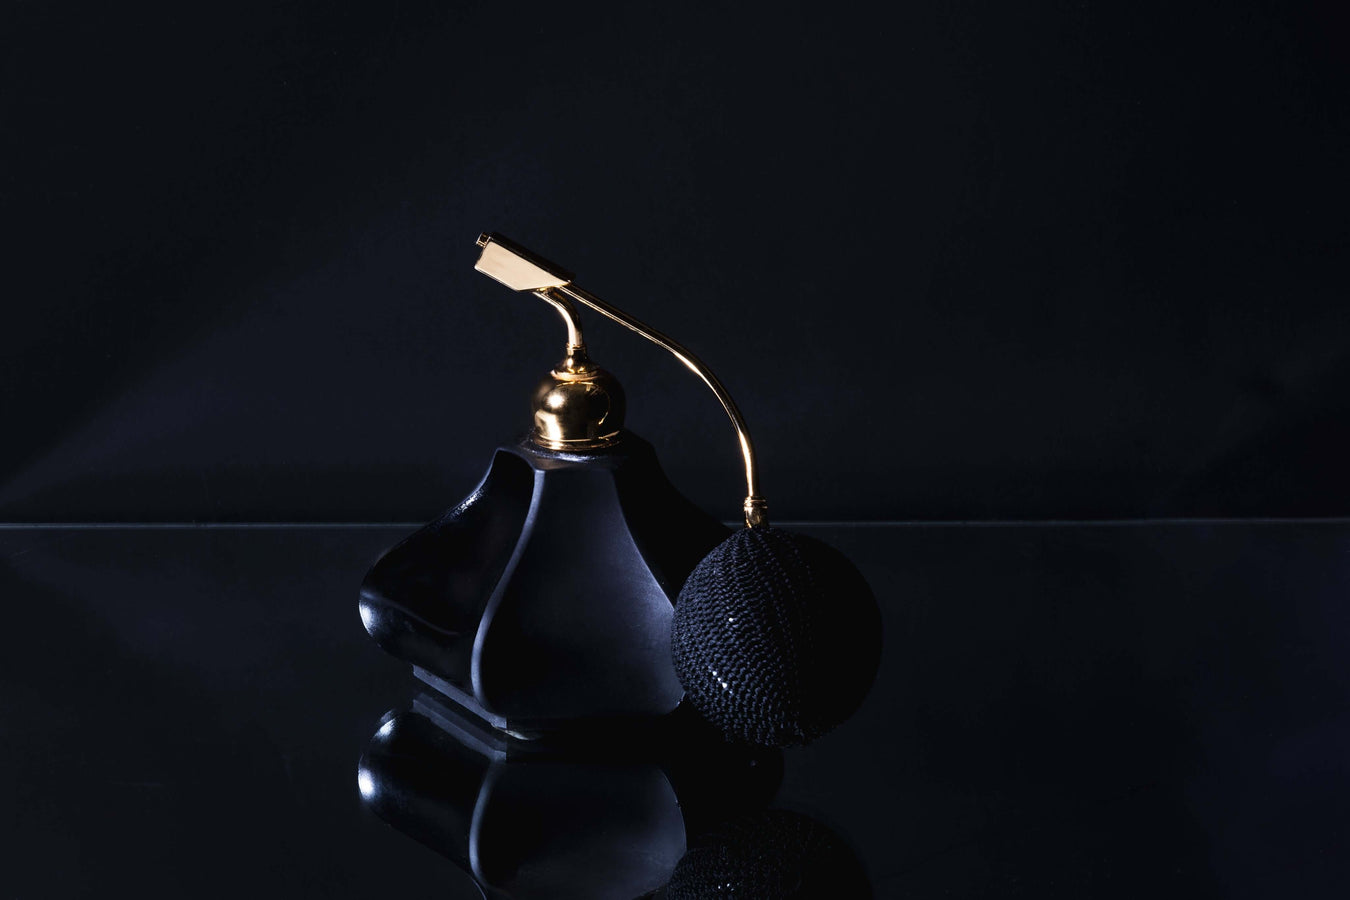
(776, 637)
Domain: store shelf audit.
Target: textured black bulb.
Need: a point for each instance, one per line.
(776, 637)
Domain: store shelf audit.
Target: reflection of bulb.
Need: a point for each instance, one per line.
(365, 783)
(776, 854)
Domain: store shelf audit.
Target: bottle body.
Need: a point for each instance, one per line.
(546, 597)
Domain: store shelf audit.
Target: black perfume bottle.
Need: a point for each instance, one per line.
(576, 585)
(545, 598)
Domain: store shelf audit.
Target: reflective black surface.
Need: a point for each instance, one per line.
(1065, 711)
(607, 817)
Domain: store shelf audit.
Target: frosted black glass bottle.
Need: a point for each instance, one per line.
(545, 598)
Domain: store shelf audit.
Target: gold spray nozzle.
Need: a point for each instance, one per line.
(521, 270)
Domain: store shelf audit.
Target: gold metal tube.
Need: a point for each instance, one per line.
(521, 270)
(755, 506)
(576, 342)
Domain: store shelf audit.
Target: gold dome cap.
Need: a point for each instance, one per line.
(578, 406)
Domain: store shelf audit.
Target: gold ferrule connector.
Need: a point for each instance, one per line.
(756, 512)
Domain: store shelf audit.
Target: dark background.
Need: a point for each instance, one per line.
(953, 259)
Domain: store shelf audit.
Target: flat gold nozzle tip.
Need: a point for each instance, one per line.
(517, 268)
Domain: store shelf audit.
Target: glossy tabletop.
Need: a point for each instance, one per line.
(1103, 710)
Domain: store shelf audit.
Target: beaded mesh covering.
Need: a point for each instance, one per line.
(776, 637)
(775, 854)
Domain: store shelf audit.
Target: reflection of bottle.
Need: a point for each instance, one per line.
(554, 819)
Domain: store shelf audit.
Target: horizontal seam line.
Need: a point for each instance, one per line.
(796, 523)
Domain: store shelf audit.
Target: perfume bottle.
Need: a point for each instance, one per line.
(575, 585)
(544, 599)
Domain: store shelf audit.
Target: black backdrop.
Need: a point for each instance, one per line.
(954, 259)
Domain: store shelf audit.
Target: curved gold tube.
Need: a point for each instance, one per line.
(755, 506)
(576, 342)
(522, 270)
